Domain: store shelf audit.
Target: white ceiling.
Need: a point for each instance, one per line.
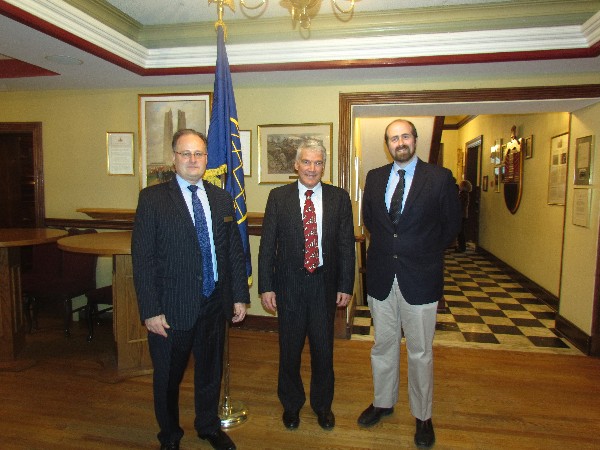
(111, 59)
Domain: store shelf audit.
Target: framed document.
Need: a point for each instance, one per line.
(119, 153)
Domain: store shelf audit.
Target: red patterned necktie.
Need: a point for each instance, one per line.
(311, 240)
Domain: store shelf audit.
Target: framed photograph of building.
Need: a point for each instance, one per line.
(160, 116)
(277, 146)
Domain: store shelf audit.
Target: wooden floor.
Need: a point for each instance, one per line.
(483, 400)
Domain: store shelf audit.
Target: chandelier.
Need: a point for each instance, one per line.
(301, 10)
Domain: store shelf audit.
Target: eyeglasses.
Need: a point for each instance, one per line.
(188, 155)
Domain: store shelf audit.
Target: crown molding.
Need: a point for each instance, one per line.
(392, 45)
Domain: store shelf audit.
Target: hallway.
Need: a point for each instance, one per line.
(485, 308)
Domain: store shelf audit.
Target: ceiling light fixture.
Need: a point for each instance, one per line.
(64, 60)
(302, 11)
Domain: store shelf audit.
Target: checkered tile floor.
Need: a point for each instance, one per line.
(485, 308)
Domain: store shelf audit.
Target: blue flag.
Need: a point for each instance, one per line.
(224, 148)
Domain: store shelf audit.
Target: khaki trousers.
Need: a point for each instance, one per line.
(392, 317)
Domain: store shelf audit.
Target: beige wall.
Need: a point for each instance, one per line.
(531, 239)
(581, 243)
(74, 133)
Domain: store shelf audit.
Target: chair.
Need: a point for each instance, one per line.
(95, 297)
(72, 276)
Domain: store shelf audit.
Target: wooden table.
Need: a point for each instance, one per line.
(12, 317)
(133, 356)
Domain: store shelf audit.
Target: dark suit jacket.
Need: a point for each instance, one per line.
(413, 251)
(281, 253)
(167, 262)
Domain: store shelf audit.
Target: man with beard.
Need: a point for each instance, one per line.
(412, 213)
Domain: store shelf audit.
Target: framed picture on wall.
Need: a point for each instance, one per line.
(583, 161)
(557, 178)
(484, 183)
(277, 146)
(246, 141)
(160, 116)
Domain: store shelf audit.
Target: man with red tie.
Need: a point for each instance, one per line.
(306, 270)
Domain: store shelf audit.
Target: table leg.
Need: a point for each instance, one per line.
(12, 317)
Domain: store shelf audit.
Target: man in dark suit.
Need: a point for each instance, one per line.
(412, 213)
(190, 277)
(304, 278)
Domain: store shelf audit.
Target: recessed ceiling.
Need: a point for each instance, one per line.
(143, 44)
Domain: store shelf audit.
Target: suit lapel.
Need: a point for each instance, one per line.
(418, 182)
(379, 188)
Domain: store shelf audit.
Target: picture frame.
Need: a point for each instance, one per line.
(277, 146)
(246, 142)
(584, 152)
(557, 177)
(160, 116)
(119, 153)
(527, 147)
(484, 183)
(497, 178)
(496, 153)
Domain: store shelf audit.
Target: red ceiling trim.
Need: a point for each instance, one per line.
(13, 68)
(69, 38)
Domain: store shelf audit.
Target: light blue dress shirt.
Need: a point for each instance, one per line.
(187, 195)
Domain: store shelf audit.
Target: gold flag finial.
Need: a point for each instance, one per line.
(220, 7)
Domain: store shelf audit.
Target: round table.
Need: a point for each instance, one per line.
(131, 336)
(12, 317)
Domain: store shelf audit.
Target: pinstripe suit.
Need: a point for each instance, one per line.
(167, 268)
(306, 304)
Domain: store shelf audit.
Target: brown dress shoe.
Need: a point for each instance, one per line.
(170, 446)
(424, 436)
(372, 415)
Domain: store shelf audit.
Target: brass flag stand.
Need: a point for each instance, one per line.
(231, 412)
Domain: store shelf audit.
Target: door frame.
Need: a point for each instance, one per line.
(35, 129)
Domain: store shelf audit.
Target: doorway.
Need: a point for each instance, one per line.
(21, 175)
(471, 173)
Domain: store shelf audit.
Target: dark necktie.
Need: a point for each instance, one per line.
(208, 278)
(396, 203)
(311, 240)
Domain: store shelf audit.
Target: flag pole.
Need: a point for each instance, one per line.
(231, 413)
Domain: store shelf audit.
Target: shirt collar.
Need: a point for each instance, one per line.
(302, 189)
(183, 184)
(409, 168)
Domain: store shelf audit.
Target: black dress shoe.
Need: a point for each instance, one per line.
(170, 446)
(291, 419)
(373, 414)
(326, 419)
(219, 440)
(424, 436)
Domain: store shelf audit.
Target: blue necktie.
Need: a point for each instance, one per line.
(208, 278)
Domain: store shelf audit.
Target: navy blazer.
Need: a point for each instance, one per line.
(281, 253)
(413, 251)
(167, 262)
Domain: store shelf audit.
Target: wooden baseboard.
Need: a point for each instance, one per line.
(576, 337)
(542, 294)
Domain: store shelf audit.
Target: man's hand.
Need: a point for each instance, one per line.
(239, 312)
(157, 325)
(342, 299)
(268, 301)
